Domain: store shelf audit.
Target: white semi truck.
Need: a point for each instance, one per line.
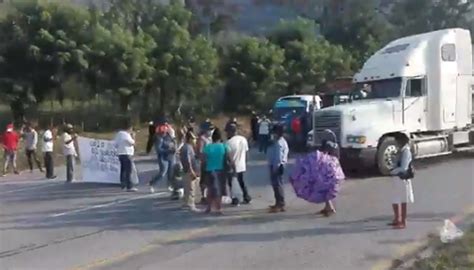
(421, 86)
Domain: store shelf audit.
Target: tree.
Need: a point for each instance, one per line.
(415, 17)
(185, 67)
(293, 30)
(41, 44)
(361, 30)
(314, 63)
(119, 62)
(254, 72)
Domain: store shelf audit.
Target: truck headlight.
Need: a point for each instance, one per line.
(356, 139)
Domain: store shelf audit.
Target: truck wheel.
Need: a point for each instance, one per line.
(387, 155)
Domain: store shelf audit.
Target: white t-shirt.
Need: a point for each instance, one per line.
(47, 146)
(238, 147)
(264, 127)
(68, 148)
(125, 143)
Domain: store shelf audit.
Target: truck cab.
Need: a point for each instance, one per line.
(419, 86)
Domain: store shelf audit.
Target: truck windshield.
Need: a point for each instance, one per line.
(382, 89)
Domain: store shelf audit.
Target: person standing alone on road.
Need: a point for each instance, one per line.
(31, 140)
(191, 169)
(264, 133)
(277, 159)
(238, 148)
(69, 150)
(10, 141)
(402, 186)
(48, 147)
(125, 150)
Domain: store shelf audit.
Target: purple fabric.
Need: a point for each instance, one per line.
(317, 177)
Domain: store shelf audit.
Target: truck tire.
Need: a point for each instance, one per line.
(386, 155)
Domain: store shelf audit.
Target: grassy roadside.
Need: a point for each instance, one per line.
(456, 255)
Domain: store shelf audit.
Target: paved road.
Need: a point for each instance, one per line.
(51, 225)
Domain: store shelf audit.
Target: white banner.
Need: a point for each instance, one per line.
(99, 161)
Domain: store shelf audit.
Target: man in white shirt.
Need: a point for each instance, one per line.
(264, 133)
(238, 148)
(125, 150)
(47, 149)
(31, 142)
(69, 151)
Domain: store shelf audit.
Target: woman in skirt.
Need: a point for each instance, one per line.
(402, 186)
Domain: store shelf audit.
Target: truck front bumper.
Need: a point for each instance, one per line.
(353, 158)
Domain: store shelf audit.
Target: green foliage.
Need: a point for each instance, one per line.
(293, 30)
(361, 30)
(414, 17)
(314, 63)
(254, 71)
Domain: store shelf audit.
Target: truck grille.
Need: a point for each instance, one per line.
(327, 120)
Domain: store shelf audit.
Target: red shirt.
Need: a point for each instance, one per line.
(296, 125)
(10, 141)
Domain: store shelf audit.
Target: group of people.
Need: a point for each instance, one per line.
(10, 141)
(215, 163)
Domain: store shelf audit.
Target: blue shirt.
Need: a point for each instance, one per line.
(404, 161)
(215, 156)
(278, 153)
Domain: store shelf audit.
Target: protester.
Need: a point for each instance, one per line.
(166, 147)
(48, 147)
(264, 133)
(277, 159)
(10, 140)
(238, 148)
(204, 139)
(125, 142)
(31, 143)
(191, 170)
(296, 128)
(231, 121)
(69, 150)
(402, 186)
(254, 126)
(151, 136)
(215, 156)
(332, 149)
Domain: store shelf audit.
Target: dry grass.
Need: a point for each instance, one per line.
(456, 255)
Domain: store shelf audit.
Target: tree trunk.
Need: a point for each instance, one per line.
(124, 103)
(18, 110)
(163, 97)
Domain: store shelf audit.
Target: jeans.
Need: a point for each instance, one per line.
(10, 159)
(276, 175)
(49, 164)
(125, 171)
(31, 156)
(263, 141)
(166, 170)
(243, 187)
(69, 168)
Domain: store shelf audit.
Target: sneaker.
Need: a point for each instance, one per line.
(152, 189)
(235, 202)
(17, 172)
(52, 177)
(247, 201)
(134, 189)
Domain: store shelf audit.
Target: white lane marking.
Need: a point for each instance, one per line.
(30, 188)
(116, 202)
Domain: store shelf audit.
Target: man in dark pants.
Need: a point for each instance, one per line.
(47, 148)
(254, 126)
(69, 149)
(125, 150)
(151, 136)
(277, 159)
